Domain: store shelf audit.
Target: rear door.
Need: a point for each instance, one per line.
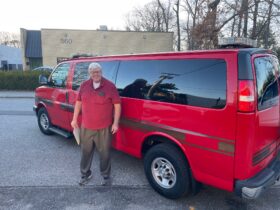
(266, 69)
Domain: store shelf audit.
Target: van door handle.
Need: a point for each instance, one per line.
(67, 97)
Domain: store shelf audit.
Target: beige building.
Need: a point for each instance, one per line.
(55, 45)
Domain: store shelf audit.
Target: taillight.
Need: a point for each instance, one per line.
(246, 96)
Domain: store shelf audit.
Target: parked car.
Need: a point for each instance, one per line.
(43, 68)
(210, 117)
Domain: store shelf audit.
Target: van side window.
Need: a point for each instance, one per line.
(59, 76)
(267, 84)
(80, 74)
(195, 82)
(109, 70)
(276, 65)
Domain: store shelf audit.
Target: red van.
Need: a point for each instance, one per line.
(210, 117)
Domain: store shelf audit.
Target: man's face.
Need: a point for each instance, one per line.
(95, 75)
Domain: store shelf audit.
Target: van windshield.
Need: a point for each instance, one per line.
(267, 72)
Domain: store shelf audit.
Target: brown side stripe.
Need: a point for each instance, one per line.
(67, 107)
(226, 148)
(262, 154)
(266, 147)
(145, 127)
(63, 106)
(46, 101)
(209, 149)
(188, 132)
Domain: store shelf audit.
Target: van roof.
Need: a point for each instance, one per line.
(249, 51)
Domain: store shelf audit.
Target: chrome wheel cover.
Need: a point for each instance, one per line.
(163, 173)
(44, 121)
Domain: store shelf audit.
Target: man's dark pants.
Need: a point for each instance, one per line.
(101, 140)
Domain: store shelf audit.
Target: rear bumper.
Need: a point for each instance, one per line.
(253, 187)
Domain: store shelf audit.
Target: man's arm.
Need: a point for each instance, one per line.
(117, 115)
(77, 110)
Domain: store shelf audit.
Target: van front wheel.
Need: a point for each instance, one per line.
(44, 121)
(167, 171)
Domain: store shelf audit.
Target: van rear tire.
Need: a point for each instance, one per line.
(44, 121)
(167, 171)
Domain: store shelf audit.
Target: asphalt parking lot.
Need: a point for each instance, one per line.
(41, 172)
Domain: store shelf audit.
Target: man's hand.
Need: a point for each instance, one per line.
(74, 124)
(115, 128)
(77, 110)
(117, 115)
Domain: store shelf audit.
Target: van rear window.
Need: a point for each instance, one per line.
(195, 82)
(267, 72)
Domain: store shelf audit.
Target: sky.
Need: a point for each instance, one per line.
(65, 14)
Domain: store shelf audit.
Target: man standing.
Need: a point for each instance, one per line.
(99, 101)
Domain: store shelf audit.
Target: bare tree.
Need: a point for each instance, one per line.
(205, 33)
(9, 39)
(255, 16)
(166, 12)
(234, 8)
(213, 21)
(177, 12)
(154, 16)
(146, 18)
(245, 28)
(195, 10)
(270, 3)
(241, 15)
(203, 21)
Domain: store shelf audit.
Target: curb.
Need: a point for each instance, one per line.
(17, 113)
(17, 97)
(16, 94)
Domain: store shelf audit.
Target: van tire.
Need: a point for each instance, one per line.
(44, 121)
(167, 158)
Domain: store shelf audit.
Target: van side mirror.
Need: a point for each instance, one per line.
(43, 80)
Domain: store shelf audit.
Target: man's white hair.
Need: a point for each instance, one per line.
(94, 66)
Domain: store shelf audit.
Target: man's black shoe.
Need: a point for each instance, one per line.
(85, 179)
(107, 181)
